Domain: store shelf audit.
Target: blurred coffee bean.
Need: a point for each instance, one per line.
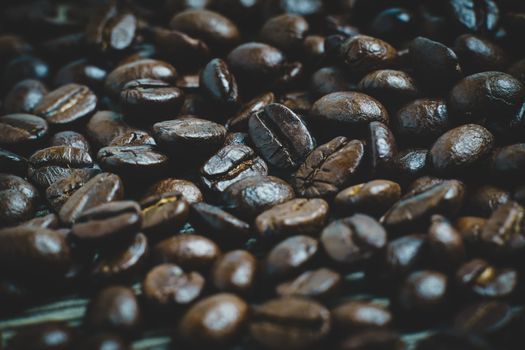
(24, 96)
(321, 284)
(291, 257)
(478, 278)
(235, 272)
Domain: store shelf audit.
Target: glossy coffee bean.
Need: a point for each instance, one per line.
(81, 72)
(189, 251)
(71, 139)
(167, 287)
(230, 314)
(189, 191)
(382, 147)
(485, 199)
(285, 32)
(252, 195)
(409, 164)
(297, 216)
(445, 243)
(329, 167)
(470, 228)
(352, 241)
(363, 54)
(358, 315)
(239, 122)
(219, 84)
(67, 104)
(229, 165)
(508, 162)
(478, 278)
(291, 256)
(473, 16)
(133, 161)
(114, 308)
(393, 88)
(51, 335)
(59, 192)
(478, 54)
(504, 232)
(321, 284)
(18, 200)
(424, 292)
(163, 213)
(290, 323)
(181, 49)
(280, 136)
(24, 96)
(12, 163)
(104, 126)
(374, 197)
(327, 80)
(22, 131)
(235, 272)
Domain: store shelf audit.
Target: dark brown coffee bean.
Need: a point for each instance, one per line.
(67, 104)
(486, 318)
(50, 221)
(211, 27)
(477, 277)
(404, 254)
(297, 216)
(280, 136)
(363, 54)
(224, 228)
(359, 315)
(189, 191)
(230, 315)
(59, 191)
(24, 96)
(167, 287)
(299, 102)
(104, 126)
(286, 32)
(190, 252)
(290, 323)
(181, 49)
(444, 198)
(485, 199)
(327, 80)
(229, 165)
(475, 16)
(445, 243)
(329, 168)
(103, 341)
(504, 232)
(133, 138)
(22, 131)
(509, 162)
(393, 88)
(140, 69)
(218, 83)
(291, 257)
(422, 121)
(163, 213)
(133, 162)
(383, 147)
(313, 49)
(478, 54)
(123, 262)
(114, 308)
(51, 164)
(103, 188)
(18, 200)
(81, 72)
(470, 228)
(145, 100)
(373, 339)
(254, 194)
(71, 139)
(354, 240)
(51, 335)
(409, 164)
(239, 122)
(110, 29)
(107, 222)
(321, 284)
(424, 292)
(12, 163)
(34, 252)
(374, 197)
(235, 272)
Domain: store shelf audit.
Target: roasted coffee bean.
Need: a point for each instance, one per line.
(239, 122)
(50, 221)
(104, 126)
(51, 164)
(167, 287)
(189, 191)
(133, 138)
(145, 101)
(424, 292)
(485, 318)
(478, 278)
(509, 162)
(103, 341)
(24, 67)
(280, 136)
(218, 224)
(352, 316)
(352, 241)
(363, 54)
(237, 138)
(409, 164)
(189, 137)
(211, 27)
(218, 83)
(299, 102)
(59, 191)
(504, 231)
(452, 341)
(422, 121)
(22, 131)
(163, 213)
(445, 243)
(329, 168)
(445, 198)
(382, 146)
(229, 165)
(123, 262)
(393, 88)
(12, 163)
(485, 199)
(181, 49)
(114, 308)
(34, 252)
(252, 195)
(313, 49)
(81, 72)
(327, 80)
(51, 335)
(67, 104)
(235, 272)
(140, 69)
(110, 29)
(24, 96)
(404, 254)
(373, 339)
(321, 284)
(374, 197)
(393, 23)
(230, 315)
(291, 257)
(190, 252)
(107, 222)
(101, 189)
(290, 323)
(286, 32)
(71, 139)
(476, 16)
(478, 54)
(18, 200)
(352, 110)
(297, 216)
(470, 228)
(133, 162)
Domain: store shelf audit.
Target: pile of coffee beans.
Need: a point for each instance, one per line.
(264, 174)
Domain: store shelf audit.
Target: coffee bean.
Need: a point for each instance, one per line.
(237, 138)
(478, 278)
(235, 272)
(180, 48)
(383, 147)
(504, 232)
(218, 83)
(321, 284)
(297, 216)
(424, 292)
(470, 228)
(18, 200)
(167, 287)
(12, 163)
(81, 72)
(163, 213)
(393, 88)
(22, 68)
(291, 257)
(252, 195)
(363, 54)
(22, 131)
(133, 162)
(299, 102)
(359, 315)
(327, 80)
(445, 243)
(190, 252)
(59, 192)
(485, 199)
(229, 165)
(104, 126)
(67, 104)
(50, 221)
(51, 335)
(509, 162)
(71, 139)
(280, 136)
(475, 16)
(189, 191)
(405, 254)
(230, 313)
(485, 318)
(313, 49)
(133, 138)
(478, 54)
(239, 122)
(114, 308)
(24, 96)
(374, 197)
(329, 167)
(290, 323)
(286, 32)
